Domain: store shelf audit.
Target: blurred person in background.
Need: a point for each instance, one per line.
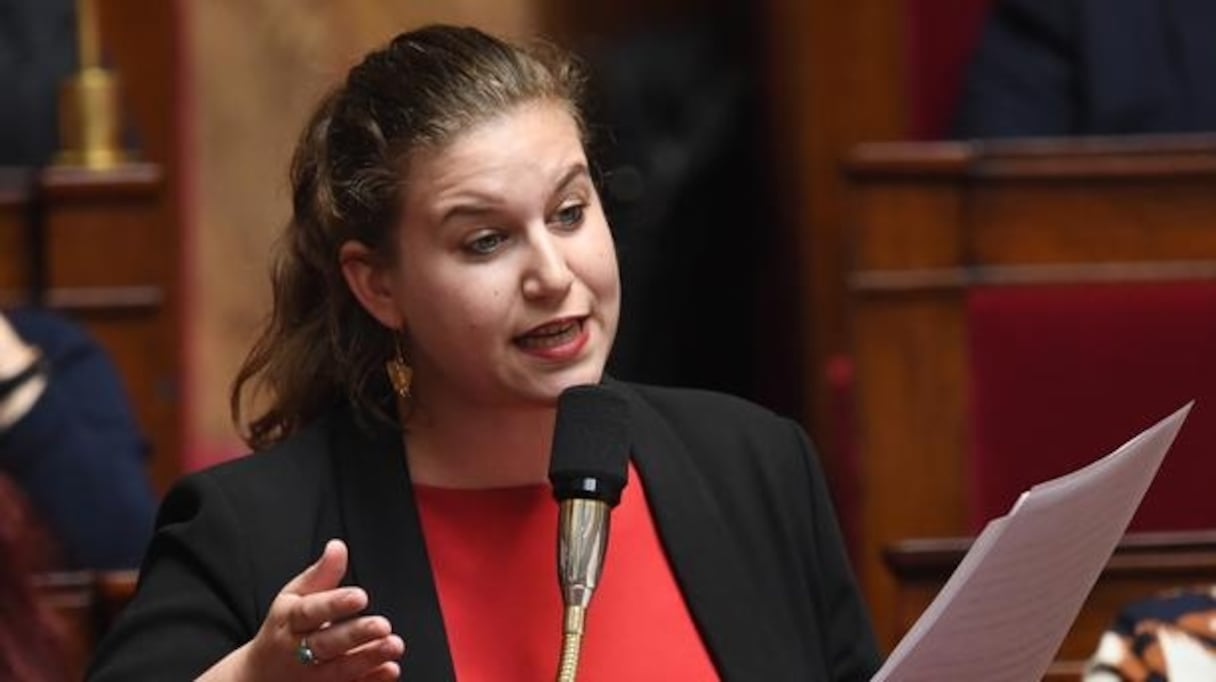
(1170, 636)
(68, 439)
(37, 52)
(1091, 67)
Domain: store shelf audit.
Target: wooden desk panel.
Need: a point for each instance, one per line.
(107, 229)
(15, 233)
(1134, 220)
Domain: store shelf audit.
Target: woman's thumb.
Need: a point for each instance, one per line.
(324, 574)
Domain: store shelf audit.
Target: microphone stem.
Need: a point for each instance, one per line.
(572, 642)
(582, 543)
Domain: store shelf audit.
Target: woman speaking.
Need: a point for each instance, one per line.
(447, 273)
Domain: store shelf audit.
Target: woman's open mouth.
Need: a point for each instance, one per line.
(557, 340)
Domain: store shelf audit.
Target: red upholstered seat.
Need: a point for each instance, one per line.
(1061, 375)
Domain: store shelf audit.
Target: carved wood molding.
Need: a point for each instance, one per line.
(92, 299)
(937, 279)
(1071, 159)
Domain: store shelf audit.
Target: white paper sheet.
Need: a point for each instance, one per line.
(1005, 610)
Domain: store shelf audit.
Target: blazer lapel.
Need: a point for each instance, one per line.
(387, 551)
(723, 600)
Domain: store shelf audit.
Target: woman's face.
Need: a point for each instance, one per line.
(507, 278)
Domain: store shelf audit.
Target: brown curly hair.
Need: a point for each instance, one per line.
(319, 347)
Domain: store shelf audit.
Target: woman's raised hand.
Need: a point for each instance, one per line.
(312, 632)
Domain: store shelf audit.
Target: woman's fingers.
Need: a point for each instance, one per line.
(314, 612)
(311, 612)
(385, 672)
(368, 659)
(334, 641)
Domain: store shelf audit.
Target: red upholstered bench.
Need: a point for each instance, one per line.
(1062, 374)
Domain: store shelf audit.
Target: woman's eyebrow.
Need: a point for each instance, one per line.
(575, 171)
(477, 206)
(465, 210)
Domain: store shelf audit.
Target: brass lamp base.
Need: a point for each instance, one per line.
(89, 121)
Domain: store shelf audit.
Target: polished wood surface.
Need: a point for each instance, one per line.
(931, 220)
(1142, 566)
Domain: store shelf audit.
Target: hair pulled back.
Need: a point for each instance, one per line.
(319, 347)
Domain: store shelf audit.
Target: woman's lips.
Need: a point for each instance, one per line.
(557, 340)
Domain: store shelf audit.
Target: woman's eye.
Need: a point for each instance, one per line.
(570, 216)
(485, 244)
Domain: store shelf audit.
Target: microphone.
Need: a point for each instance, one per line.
(588, 471)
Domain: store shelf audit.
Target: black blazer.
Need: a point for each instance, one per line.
(738, 499)
(1092, 67)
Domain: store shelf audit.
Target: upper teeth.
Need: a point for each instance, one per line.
(554, 328)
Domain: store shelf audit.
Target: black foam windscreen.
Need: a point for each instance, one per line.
(590, 444)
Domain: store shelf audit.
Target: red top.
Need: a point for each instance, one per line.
(493, 553)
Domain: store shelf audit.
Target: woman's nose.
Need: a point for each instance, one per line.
(548, 273)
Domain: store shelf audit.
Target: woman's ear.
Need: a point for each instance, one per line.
(370, 281)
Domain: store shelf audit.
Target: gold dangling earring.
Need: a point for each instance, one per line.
(400, 374)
